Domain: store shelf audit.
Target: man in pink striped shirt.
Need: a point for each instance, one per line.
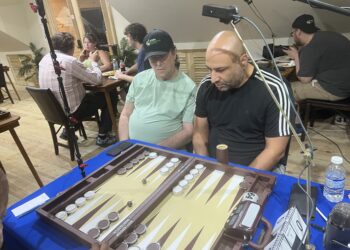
(74, 74)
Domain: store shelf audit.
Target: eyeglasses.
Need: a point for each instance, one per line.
(160, 58)
(292, 33)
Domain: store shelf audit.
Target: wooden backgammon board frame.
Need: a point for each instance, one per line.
(255, 182)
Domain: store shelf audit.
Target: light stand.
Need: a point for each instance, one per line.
(39, 8)
(222, 14)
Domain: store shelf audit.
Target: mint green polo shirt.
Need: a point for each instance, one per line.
(160, 107)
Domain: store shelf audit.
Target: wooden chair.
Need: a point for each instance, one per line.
(54, 114)
(3, 85)
(310, 104)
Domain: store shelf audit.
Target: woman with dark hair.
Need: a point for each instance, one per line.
(90, 46)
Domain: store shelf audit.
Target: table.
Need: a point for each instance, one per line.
(9, 124)
(30, 232)
(287, 72)
(106, 87)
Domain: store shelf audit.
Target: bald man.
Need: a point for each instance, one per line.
(233, 107)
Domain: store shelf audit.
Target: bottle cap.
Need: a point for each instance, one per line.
(337, 160)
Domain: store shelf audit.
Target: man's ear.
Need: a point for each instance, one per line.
(174, 51)
(244, 59)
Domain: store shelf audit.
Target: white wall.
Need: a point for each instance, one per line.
(120, 23)
(184, 21)
(24, 26)
(280, 18)
(13, 21)
(36, 30)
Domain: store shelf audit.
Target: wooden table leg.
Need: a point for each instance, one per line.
(13, 86)
(25, 156)
(111, 112)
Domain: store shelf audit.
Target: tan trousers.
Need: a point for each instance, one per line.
(312, 90)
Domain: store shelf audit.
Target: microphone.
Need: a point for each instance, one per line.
(338, 228)
(225, 14)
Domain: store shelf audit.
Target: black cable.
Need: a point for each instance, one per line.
(258, 14)
(308, 165)
(311, 205)
(341, 152)
(261, 18)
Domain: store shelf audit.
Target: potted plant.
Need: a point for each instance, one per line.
(124, 52)
(30, 64)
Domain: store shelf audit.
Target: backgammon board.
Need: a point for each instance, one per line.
(150, 198)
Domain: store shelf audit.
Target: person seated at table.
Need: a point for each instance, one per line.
(322, 62)
(90, 47)
(234, 107)
(135, 34)
(160, 103)
(74, 75)
(4, 191)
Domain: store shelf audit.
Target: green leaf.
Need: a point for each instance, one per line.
(30, 64)
(124, 52)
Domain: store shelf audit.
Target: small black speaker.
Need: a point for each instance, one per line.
(337, 235)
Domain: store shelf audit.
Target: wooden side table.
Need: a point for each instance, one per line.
(9, 124)
(6, 70)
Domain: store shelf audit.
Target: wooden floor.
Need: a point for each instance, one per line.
(36, 139)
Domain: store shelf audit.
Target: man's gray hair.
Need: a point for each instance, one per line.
(63, 41)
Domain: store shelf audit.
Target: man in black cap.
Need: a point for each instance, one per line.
(160, 103)
(322, 62)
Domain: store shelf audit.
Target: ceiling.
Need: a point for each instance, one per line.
(183, 19)
(10, 2)
(8, 43)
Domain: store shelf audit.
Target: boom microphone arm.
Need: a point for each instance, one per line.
(326, 6)
(39, 8)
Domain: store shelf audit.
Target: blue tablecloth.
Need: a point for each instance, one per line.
(31, 232)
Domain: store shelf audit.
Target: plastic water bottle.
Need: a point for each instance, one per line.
(335, 180)
(115, 64)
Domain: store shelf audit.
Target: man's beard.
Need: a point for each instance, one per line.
(234, 83)
(298, 43)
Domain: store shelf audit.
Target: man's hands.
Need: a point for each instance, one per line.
(123, 76)
(292, 52)
(119, 75)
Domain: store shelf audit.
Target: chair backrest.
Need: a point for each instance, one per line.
(49, 105)
(2, 76)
